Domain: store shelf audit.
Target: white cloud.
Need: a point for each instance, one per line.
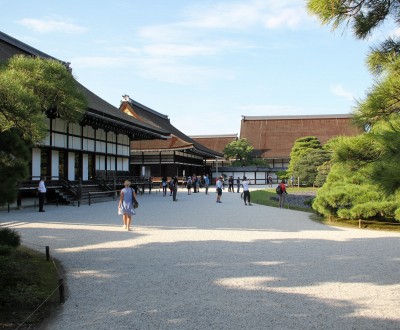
(285, 18)
(166, 52)
(172, 71)
(339, 90)
(51, 25)
(177, 50)
(395, 33)
(242, 15)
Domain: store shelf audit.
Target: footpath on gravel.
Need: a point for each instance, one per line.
(196, 264)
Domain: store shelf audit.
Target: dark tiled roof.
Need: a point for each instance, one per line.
(157, 119)
(101, 107)
(97, 106)
(17, 47)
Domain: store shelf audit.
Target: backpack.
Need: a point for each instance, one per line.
(279, 189)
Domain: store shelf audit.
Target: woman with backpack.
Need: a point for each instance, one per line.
(281, 191)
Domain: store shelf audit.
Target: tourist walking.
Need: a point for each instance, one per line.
(198, 184)
(246, 191)
(126, 204)
(189, 185)
(230, 184)
(164, 182)
(219, 189)
(42, 193)
(194, 183)
(206, 183)
(238, 184)
(171, 186)
(281, 191)
(175, 182)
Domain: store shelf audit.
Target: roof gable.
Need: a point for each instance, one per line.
(152, 117)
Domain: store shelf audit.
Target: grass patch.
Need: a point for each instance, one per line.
(269, 197)
(366, 224)
(26, 281)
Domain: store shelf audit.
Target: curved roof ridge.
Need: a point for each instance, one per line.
(148, 109)
(208, 136)
(296, 117)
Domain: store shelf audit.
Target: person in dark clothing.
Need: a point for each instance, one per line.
(230, 184)
(175, 189)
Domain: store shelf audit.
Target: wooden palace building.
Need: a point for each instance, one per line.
(98, 146)
(179, 155)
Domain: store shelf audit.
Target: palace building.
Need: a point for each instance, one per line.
(273, 137)
(179, 155)
(99, 145)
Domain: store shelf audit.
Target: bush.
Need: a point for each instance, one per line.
(9, 237)
(5, 250)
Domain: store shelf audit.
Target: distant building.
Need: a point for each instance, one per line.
(179, 155)
(273, 137)
(215, 142)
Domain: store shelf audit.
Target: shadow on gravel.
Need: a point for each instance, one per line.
(196, 264)
(264, 284)
(222, 284)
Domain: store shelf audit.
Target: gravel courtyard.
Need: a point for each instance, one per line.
(196, 264)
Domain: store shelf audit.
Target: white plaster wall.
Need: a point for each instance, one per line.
(55, 162)
(74, 142)
(120, 164)
(85, 165)
(100, 146)
(125, 166)
(59, 140)
(71, 166)
(111, 163)
(35, 164)
(59, 125)
(100, 163)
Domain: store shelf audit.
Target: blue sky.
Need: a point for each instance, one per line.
(202, 63)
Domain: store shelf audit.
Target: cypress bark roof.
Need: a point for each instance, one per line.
(274, 136)
(215, 142)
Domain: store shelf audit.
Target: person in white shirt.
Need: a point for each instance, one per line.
(246, 191)
(42, 193)
(219, 189)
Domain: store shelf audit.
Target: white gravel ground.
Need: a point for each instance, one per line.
(196, 264)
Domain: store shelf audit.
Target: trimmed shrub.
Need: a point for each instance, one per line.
(9, 237)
